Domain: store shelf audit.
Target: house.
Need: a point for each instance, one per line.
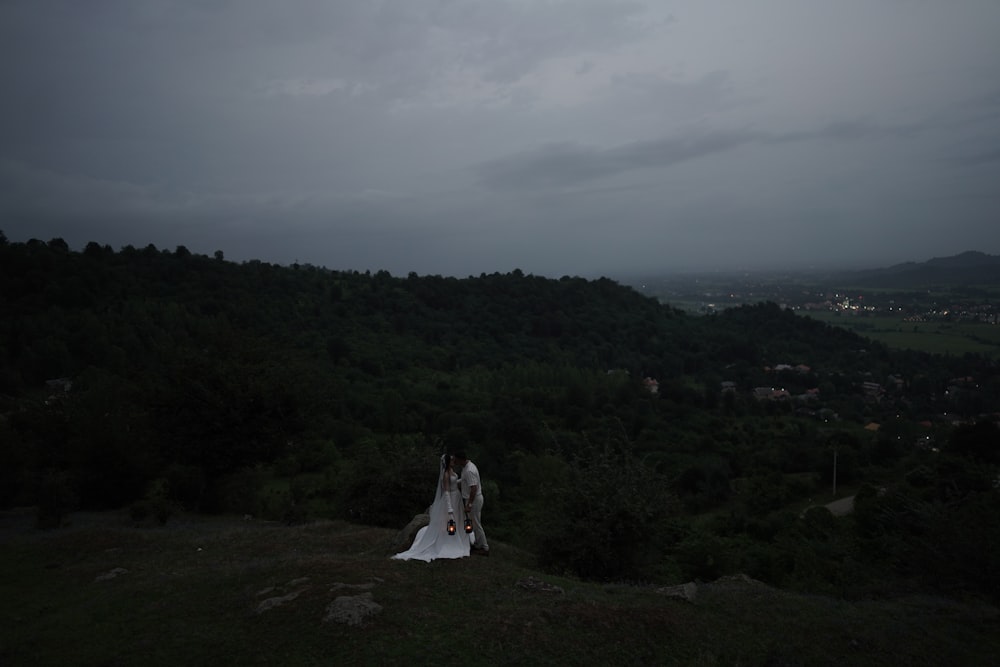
(59, 384)
(57, 388)
(809, 395)
(872, 389)
(770, 394)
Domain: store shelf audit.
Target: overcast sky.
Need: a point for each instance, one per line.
(456, 137)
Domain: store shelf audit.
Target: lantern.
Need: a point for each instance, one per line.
(468, 525)
(451, 526)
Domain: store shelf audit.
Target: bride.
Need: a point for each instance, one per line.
(433, 541)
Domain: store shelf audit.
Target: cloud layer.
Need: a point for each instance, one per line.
(467, 136)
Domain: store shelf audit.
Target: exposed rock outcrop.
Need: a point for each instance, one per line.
(688, 591)
(111, 574)
(352, 609)
(278, 600)
(537, 585)
(404, 538)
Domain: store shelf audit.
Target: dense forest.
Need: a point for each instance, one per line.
(619, 438)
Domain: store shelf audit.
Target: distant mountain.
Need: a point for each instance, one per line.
(966, 260)
(968, 268)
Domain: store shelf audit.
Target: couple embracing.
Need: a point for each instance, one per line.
(459, 497)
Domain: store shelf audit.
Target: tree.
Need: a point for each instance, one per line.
(979, 441)
(608, 522)
(59, 244)
(93, 249)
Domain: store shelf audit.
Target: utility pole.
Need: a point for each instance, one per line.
(834, 472)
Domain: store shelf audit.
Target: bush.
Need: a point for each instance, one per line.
(186, 485)
(962, 544)
(608, 522)
(56, 497)
(240, 492)
(385, 485)
(706, 557)
(156, 503)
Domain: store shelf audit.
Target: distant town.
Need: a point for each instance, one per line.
(707, 294)
(945, 305)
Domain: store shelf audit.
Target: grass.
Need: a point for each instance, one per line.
(938, 337)
(192, 590)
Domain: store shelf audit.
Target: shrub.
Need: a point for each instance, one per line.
(608, 522)
(387, 484)
(56, 497)
(156, 503)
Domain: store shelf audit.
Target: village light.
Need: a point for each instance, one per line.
(451, 526)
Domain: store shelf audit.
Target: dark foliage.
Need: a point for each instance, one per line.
(167, 380)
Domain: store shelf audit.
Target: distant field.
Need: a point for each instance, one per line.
(944, 292)
(955, 338)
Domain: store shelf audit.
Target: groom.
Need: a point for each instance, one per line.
(472, 500)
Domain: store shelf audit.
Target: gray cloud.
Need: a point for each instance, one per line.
(982, 158)
(566, 165)
(459, 136)
(561, 165)
(848, 130)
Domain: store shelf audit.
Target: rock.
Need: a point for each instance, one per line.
(355, 587)
(352, 609)
(404, 538)
(532, 584)
(740, 584)
(688, 591)
(739, 579)
(271, 603)
(111, 574)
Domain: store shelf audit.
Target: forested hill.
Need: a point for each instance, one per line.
(136, 312)
(232, 361)
(165, 380)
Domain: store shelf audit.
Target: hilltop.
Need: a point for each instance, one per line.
(224, 591)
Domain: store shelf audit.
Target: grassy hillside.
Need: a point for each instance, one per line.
(175, 387)
(193, 593)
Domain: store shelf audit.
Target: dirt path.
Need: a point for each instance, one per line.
(842, 506)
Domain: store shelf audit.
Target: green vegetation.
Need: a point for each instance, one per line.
(934, 336)
(167, 385)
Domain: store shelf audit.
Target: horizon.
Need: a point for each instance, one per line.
(619, 275)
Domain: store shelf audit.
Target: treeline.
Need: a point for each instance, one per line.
(164, 380)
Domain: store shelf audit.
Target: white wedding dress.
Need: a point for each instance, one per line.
(433, 541)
